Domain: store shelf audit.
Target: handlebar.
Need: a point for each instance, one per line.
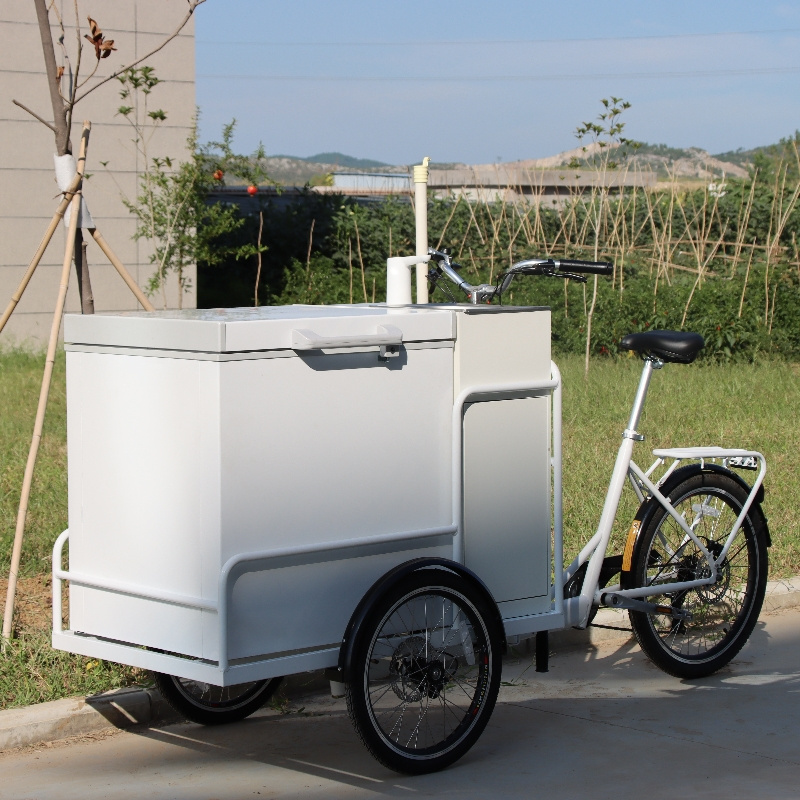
(555, 267)
(570, 268)
(587, 267)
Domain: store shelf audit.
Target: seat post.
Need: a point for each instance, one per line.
(650, 363)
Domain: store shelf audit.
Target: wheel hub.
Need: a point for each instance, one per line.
(694, 567)
(435, 679)
(407, 669)
(715, 592)
(413, 676)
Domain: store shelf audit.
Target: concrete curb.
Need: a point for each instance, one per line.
(125, 708)
(78, 716)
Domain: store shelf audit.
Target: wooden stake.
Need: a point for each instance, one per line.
(51, 229)
(123, 273)
(16, 552)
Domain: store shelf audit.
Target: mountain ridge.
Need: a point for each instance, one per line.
(668, 162)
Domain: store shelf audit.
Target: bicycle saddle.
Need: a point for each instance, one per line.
(670, 346)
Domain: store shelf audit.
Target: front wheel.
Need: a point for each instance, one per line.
(723, 613)
(214, 705)
(426, 673)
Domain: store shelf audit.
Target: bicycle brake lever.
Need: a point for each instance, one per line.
(567, 276)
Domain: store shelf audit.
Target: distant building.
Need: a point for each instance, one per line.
(498, 182)
(371, 183)
(28, 199)
(490, 183)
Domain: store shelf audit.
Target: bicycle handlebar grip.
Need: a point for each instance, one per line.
(588, 267)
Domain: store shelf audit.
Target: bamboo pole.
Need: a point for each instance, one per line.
(447, 224)
(22, 513)
(361, 262)
(51, 229)
(124, 274)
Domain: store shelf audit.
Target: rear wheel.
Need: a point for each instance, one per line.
(723, 613)
(427, 672)
(214, 705)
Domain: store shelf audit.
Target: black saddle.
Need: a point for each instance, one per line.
(671, 346)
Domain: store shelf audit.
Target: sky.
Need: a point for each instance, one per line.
(479, 82)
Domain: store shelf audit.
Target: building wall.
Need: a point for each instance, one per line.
(28, 192)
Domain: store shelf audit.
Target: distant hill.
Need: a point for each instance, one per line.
(786, 151)
(690, 164)
(297, 171)
(348, 162)
(734, 163)
(742, 157)
(666, 162)
(338, 159)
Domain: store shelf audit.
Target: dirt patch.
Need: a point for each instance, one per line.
(33, 606)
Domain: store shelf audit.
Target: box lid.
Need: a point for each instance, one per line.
(236, 330)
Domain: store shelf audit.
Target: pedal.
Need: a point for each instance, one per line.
(612, 600)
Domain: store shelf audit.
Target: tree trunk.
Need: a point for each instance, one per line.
(63, 143)
(82, 271)
(63, 146)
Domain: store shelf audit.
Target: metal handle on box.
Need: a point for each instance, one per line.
(304, 339)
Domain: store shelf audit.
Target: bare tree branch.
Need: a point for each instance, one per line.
(192, 6)
(34, 114)
(73, 88)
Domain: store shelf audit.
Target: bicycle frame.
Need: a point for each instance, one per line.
(577, 609)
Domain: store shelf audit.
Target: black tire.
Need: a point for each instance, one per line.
(415, 699)
(724, 613)
(214, 705)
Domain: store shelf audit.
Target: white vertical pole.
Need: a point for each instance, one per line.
(421, 214)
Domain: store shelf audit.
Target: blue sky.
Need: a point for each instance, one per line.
(479, 82)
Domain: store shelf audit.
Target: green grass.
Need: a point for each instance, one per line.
(31, 671)
(20, 382)
(744, 405)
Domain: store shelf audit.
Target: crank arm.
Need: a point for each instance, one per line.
(632, 604)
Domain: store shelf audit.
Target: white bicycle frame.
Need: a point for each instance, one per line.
(577, 609)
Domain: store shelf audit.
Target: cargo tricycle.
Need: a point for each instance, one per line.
(376, 489)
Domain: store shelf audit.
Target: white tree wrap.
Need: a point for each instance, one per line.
(66, 168)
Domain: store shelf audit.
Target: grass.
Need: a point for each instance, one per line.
(33, 672)
(20, 382)
(744, 405)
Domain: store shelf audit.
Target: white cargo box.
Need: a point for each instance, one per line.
(239, 478)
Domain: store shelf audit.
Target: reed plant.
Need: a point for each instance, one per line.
(721, 258)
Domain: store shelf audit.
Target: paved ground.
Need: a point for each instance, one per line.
(603, 723)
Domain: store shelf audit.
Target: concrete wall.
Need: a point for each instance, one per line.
(28, 192)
